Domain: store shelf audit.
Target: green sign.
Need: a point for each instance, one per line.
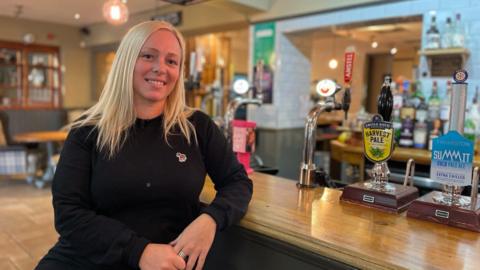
(264, 42)
(264, 49)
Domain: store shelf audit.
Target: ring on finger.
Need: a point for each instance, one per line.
(183, 255)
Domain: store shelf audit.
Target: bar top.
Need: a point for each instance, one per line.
(315, 220)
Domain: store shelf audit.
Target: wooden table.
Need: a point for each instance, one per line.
(315, 220)
(49, 138)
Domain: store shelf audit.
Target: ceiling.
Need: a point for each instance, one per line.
(63, 11)
(398, 32)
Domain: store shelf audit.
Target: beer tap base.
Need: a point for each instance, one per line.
(396, 200)
(429, 209)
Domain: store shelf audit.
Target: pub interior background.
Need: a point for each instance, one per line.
(54, 60)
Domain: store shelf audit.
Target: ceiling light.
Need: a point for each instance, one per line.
(115, 12)
(76, 16)
(393, 50)
(374, 44)
(333, 63)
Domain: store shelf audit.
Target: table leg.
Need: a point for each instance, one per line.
(50, 168)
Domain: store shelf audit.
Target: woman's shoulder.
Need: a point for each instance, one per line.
(84, 133)
(198, 117)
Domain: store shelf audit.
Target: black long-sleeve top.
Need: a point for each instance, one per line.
(108, 210)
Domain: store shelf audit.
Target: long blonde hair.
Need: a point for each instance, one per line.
(114, 113)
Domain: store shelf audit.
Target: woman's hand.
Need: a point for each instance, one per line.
(195, 241)
(160, 257)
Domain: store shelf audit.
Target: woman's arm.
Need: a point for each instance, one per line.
(98, 238)
(234, 188)
(234, 191)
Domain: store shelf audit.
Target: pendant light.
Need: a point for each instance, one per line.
(115, 11)
(333, 63)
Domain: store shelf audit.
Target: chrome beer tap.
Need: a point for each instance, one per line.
(241, 87)
(310, 176)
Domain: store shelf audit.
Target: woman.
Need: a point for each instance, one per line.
(126, 189)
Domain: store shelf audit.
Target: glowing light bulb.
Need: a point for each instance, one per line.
(333, 63)
(374, 44)
(115, 12)
(393, 50)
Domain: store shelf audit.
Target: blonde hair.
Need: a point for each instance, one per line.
(114, 113)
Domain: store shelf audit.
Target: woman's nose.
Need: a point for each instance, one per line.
(159, 66)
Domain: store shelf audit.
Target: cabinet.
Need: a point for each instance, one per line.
(30, 76)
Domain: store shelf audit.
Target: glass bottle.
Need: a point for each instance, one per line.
(434, 103)
(397, 124)
(417, 94)
(420, 135)
(397, 96)
(445, 108)
(433, 35)
(447, 37)
(472, 122)
(458, 39)
(406, 136)
(434, 133)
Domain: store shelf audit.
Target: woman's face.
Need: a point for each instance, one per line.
(157, 69)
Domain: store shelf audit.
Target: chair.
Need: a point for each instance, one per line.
(15, 160)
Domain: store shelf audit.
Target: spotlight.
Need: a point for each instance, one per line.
(333, 63)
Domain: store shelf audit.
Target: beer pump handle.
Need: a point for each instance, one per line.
(346, 101)
(347, 78)
(385, 100)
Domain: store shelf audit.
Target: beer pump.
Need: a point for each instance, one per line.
(378, 146)
(242, 88)
(452, 162)
(310, 176)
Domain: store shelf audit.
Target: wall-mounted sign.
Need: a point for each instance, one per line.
(174, 18)
(264, 50)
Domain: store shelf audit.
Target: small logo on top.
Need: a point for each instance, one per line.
(181, 157)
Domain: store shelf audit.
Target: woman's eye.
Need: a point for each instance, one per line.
(172, 62)
(147, 56)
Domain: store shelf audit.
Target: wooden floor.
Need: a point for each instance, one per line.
(26, 224)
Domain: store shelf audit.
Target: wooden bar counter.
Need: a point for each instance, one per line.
(421, 156)
(314, 220)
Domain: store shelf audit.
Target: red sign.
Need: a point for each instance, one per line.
(348, 69)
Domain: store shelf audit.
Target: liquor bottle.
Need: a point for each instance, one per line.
(472, 121)
(469, 127)
(434, 133)
(421, 113)
(406, 92)
(458, 37)
(434, 103)
(420, 135)
(447, 37)
(407, 110)
(397, 124)
(445, 108)
(397, 96)
(421, 129)
(406, 135)
(417, 94)
(433, 35)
